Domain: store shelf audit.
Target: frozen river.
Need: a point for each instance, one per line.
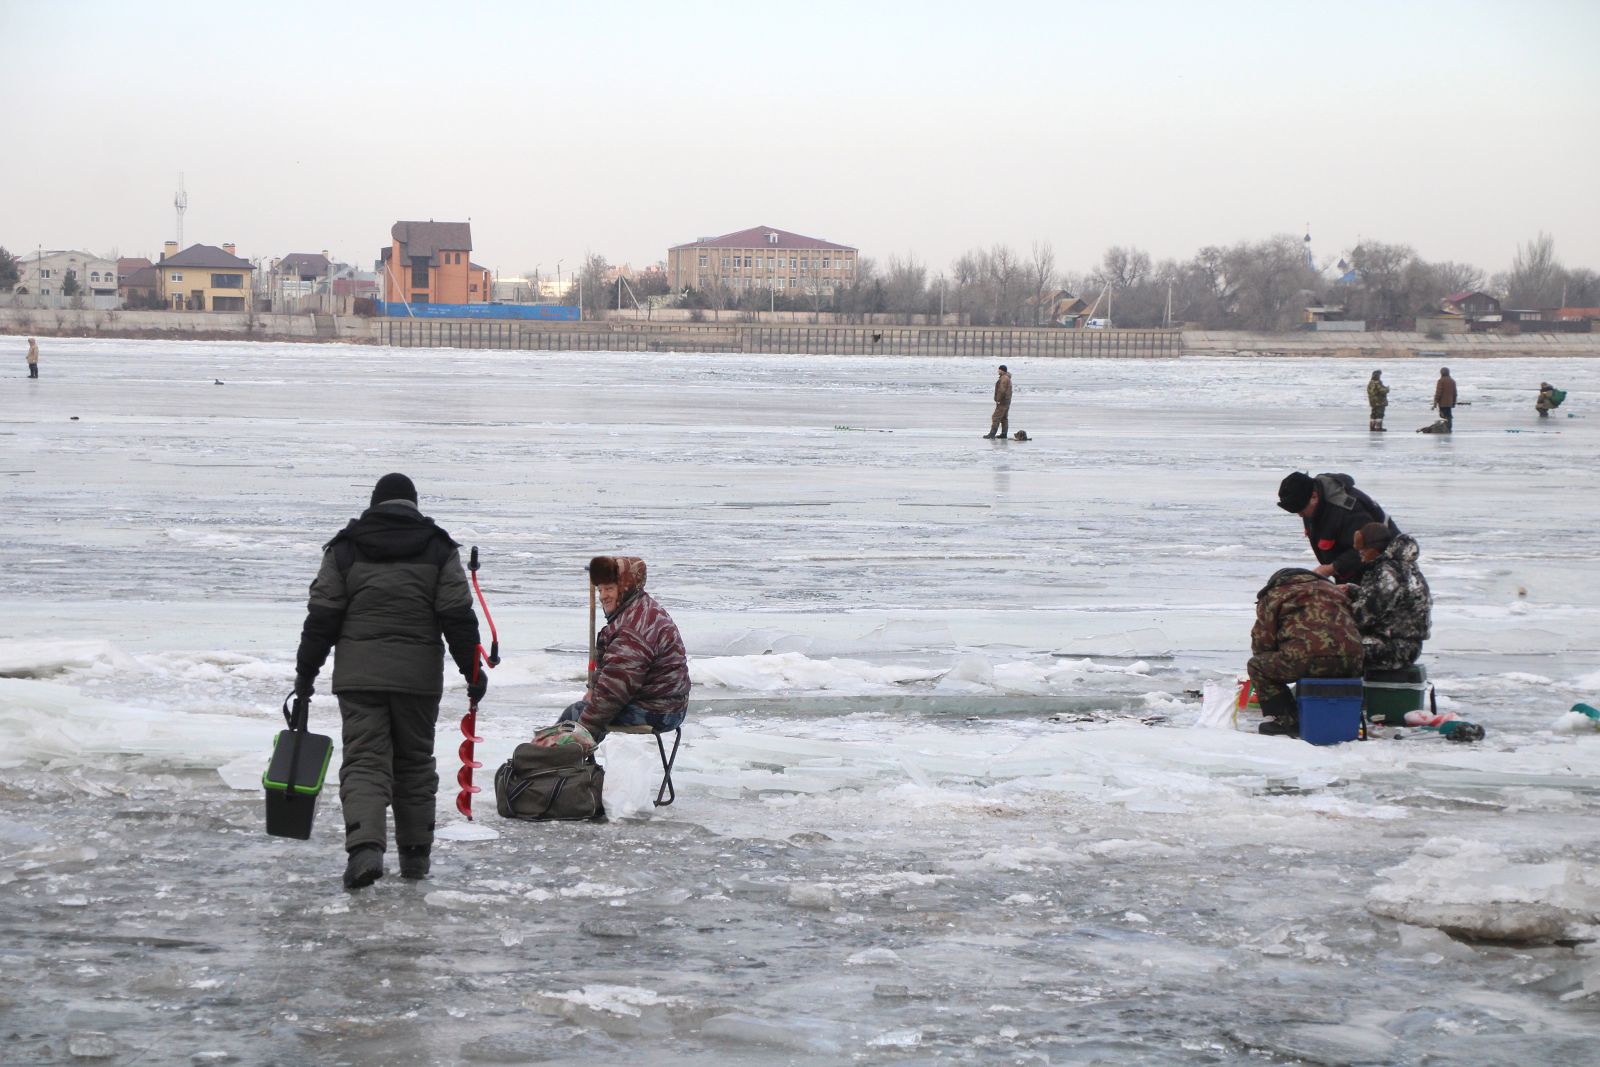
(941, 795)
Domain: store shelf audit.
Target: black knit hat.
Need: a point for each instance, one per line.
(393, 487)
(1377, 374)
(1003, 367)
(1294, 492)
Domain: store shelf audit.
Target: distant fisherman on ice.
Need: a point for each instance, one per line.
(1000, 421)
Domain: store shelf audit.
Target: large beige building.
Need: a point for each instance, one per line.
(761, 258)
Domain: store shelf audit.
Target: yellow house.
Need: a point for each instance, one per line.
(204, 278)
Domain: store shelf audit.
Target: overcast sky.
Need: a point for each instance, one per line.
(923, 128)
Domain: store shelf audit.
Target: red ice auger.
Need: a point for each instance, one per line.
(469, 721)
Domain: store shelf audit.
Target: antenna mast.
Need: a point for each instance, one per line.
(181, 203)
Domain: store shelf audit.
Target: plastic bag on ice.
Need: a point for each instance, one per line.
(633, 771)
(1219, 703)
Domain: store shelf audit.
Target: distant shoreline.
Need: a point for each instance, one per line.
(1016, 343)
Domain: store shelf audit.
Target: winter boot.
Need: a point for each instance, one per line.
(414, 861)
(1283, 716)
(364, 867)
(989, 436)
(1380, 427)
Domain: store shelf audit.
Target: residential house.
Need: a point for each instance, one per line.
(204, 278)
(431, 263)
(1472, 305)
(1060, 308)
(762, 258)
(46, 273)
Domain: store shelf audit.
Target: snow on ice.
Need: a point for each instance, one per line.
(941, 797)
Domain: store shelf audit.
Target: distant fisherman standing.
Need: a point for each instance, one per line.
(1000, 421)
(1378, 400)
(33, 358)
(1444, 397)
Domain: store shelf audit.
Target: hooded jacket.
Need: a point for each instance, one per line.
(1377, 393)
(639, 659)
(1306, 617)
(1342, 509)
(390, 584)
(1393, 602)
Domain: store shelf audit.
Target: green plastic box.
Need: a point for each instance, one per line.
(1390, 694)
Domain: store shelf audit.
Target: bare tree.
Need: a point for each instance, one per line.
(1123, 268)
(1042, 277)
(1266, 283)
(1383, 272)
(906, 286)
(1536, 274)
(593, 286)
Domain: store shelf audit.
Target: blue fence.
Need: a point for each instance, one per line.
(536, 312)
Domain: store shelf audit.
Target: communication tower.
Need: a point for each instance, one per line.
(181, 203)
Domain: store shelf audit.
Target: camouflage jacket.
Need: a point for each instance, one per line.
(1306, 616)
(1393, 603)
(640, 661)
(1377, 393)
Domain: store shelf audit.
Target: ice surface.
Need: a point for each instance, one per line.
(938, 795)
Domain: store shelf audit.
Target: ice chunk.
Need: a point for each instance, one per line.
(467, 831)
(816, 897)
(798, 1032)
(89, 1045)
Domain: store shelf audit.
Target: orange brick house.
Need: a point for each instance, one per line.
(431, 263)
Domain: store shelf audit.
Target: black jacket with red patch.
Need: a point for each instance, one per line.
(1342, 509)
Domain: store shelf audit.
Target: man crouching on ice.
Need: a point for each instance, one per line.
(641, 673)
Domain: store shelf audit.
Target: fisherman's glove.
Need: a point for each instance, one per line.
(477, 687)
(303, 686)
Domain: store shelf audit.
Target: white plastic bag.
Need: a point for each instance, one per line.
(1218, 707)
(633, 773)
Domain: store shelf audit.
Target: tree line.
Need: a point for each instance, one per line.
(1252, 285)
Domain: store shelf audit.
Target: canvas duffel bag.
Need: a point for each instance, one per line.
(540, 783)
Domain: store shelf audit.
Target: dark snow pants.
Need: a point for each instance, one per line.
(388, 762)
(1000, 421)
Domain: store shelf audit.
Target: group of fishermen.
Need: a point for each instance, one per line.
(1365, 606)
(390, 586)
(1444, 401)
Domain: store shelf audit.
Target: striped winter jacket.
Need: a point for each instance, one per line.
(641, 661)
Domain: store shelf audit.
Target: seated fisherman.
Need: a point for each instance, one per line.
(641, 673)
(1392, 604)
(1547, 399)
(1304, 629)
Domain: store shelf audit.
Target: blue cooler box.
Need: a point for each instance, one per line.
(1330, 709)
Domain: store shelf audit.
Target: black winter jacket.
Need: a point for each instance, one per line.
(1342, 509)
(390, 584)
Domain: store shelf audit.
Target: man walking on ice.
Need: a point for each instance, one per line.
(390, 584)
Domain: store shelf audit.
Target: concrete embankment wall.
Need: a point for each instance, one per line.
(776, 339)
(265, 326)
(1388, 345)
(783, 338)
